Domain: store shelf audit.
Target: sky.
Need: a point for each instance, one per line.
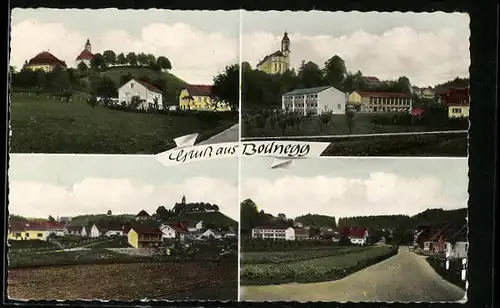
(69, 185)
(346, 187)
(428, 48)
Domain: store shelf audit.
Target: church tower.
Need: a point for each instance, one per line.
(183, 200)
(285, 45)
(88, 46)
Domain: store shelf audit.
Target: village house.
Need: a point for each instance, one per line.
(174, 231)
(194, 226)
(199, 97)
(74, 230)
(457, 101)
(104, 229)
(34, 230)
(209, 233)
(148, 95)
(314, 101)
(357, 235)
(144, 236)
(368, 102)
(44, 61)
(142, 215)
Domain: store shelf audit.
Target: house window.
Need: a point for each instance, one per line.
(27, 235)
(18, 235)
(339, 106)
(39, 235)
(131, 85)
(456, 110)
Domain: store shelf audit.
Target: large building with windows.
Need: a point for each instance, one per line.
(285, 233)
(314, 101)
(277, 62)
(379, 102)
(199, 97)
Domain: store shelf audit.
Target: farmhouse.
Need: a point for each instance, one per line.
(145, 94)
(34, 230)
(74, 230)
(174, 231)
(199, 97)
(314, 100)
(194, 226)
(44, 61)
(301, 233)
(379, 102)
(357, 235)
(144, 236)
(142, 215)
(457, 100)
(211, 234)
(102, 229)
(274, 233)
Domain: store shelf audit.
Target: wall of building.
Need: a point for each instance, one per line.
(458, 111)
(331, 100)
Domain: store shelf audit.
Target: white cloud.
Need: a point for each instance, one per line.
(196, 56)
(97, 195)
(426, 58)
(378, 194)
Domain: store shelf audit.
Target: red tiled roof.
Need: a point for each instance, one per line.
(355, 232)
(417, 111)
(199, 90)
(142, 213)
(36, 225)
(456, 96)
(149, 86)
(371, 78)
(146, 230)
(382, 94)
(85, 55)
(46, 58)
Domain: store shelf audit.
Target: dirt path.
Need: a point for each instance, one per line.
(405, 277)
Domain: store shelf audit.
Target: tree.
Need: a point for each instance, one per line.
(349, 116)
(335, 71)
(151, 59)
(163, 63)
(403, 85)
(104, 87)
(311, 75)
(51, 219)
(121, 59)
(109, 57)
(59, 79)
(109, 213)
(82, 67)
(282, 216)
(248, 215)
(142, 58)
(131, 58)
(98, 62)
(226, 87)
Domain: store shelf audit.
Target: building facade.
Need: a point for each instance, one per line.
(379, 102)
(274, 233)
(457, 101)
(277, 62)
(150, 96)
(143, 237)
(314, 101)
(199, 97)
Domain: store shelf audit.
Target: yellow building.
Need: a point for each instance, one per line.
(144, 236)
(458, 111)
(277, 62)
(44, 61)
(199, 97)
(378, 102)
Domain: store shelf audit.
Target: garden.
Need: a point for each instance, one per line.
(304, 266)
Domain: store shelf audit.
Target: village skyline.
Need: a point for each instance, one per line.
(442, 39)
(127, 185)
(356, 187)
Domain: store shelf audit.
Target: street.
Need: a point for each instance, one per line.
(229, 135)
(405, 277)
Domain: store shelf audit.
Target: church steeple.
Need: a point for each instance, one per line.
(183, 200)
(88, 46)
(285, 44)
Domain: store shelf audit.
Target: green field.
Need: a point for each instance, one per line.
(114, 73)
(303, 266)
(41, 125)
(114, 242)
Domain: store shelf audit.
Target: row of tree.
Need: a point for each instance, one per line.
(110, 58)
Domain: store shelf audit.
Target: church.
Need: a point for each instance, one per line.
(85, 56)
(277, 62)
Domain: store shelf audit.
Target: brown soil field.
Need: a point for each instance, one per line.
(126, 282)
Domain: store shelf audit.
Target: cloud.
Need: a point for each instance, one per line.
(196, 56)
(97, 195)
(427, 58)
(377, 194)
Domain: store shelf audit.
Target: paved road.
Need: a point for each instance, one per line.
(229, 135)
(405, 277)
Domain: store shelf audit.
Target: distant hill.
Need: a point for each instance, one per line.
(455, 83)
(317, 220)
(115, 73)
(215, 218)
(82, 220)
(428, 217)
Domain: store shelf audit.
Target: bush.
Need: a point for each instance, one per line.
(453, 275)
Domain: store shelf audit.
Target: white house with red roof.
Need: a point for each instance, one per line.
(148, 94)
(86, 56)
(357, 235)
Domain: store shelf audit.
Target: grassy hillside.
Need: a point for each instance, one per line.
(137, 72)
(216, 218)
(86, 219)
(41, 125)
(317, 220)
